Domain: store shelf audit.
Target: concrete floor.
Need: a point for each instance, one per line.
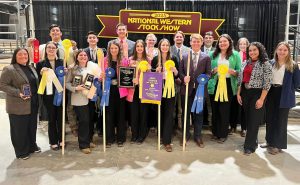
(216, 164)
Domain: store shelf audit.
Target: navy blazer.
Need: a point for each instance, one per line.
(203, 66)
(291, 81)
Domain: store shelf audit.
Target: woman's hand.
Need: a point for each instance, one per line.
(214, 71)
(239, 99)
(232, 72)
(24, 97)
(79, 88)
(66, 70)
(44, 69)
(135, 81)
(158, 69)
(186, 79)
(174, 70)
(259, 103)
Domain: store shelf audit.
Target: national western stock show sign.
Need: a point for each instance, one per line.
(159, 22)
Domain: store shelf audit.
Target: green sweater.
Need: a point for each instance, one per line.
(234, 63)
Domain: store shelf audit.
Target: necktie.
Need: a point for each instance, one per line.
(178, 54)
(207, 50)
(195, 61)
(92, 55)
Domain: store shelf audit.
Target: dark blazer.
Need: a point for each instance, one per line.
(46, 63)
(154, 64)
(203, 66)
(87, 50)
(184, 51)
(130, 44)
(11, 81)
(291, 81)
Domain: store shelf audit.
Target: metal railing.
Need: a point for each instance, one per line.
(295, 43)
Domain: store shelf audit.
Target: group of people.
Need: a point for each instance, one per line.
(243, 86)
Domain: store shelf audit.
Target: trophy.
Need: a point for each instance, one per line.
(88, 82)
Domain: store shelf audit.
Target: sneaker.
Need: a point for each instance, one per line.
(92, 145)
(24, 157)
(86, 150)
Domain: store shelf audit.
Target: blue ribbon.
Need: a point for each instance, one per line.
(109, 73)
(59, 71)
(198, 100)
(97, 84)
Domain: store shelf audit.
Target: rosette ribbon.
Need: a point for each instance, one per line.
(221, 92)
(97, 85)
(143, 67)
(169, 89)
(198, 100)
(58, 96)
(36, 52)
(48, 78)
(109, 73)
(66, 43)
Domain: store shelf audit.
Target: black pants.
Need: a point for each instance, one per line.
(23, 131)
(115, 116)
(92, 119)
(82, 113)
(197, 118)
(235, 116)
(253, 116)
(221, 112)
(55, 120)
(167, 123)
(277, 118)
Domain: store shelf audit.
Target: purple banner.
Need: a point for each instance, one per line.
(152, 87)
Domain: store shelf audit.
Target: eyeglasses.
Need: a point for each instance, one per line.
(49, 47)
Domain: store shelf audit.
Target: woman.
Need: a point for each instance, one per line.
(150, 43)
(19, 81)
(138, 111)
(223, 55)
(54, 111)
(236, 111)
(167, 104)
(254, 84)
(79, 100)
(281, 97)
(115, 112)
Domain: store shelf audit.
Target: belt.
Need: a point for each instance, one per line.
(114, 82)
(247, 85)
(276, 85)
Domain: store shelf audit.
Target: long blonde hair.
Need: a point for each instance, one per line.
(289, 63)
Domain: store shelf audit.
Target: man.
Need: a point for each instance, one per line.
(91, 51)
(208, 42)
(199, 63)
(207, 48)
(127, 46)
(178, 50)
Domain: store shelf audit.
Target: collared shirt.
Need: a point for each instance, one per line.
(207, 50)
(93, 53)
(195, 58)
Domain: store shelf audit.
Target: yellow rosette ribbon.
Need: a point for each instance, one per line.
(143, 67)
(66, 43)
(48, 78)
(222, 86)
(100, 56)
(169, 89)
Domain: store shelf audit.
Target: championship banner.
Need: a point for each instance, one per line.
(158, 22)
(152, 88)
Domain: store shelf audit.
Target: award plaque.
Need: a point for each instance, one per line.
(126, 75)
(88, 82)
(26, 90)
(77, 80)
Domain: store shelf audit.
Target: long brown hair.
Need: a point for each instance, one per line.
(109, 56)
(229, 50)
(289, 64)
(144, 54)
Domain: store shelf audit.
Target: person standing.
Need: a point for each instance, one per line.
(281, 97)
(22, 108)
(253, 86)
(199, 64)
(224, 55)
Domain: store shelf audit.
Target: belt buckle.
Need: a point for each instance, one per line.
(247, 86)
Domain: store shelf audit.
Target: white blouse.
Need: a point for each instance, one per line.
(278, 74)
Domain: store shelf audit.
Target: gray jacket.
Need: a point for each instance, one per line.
(11, 81)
